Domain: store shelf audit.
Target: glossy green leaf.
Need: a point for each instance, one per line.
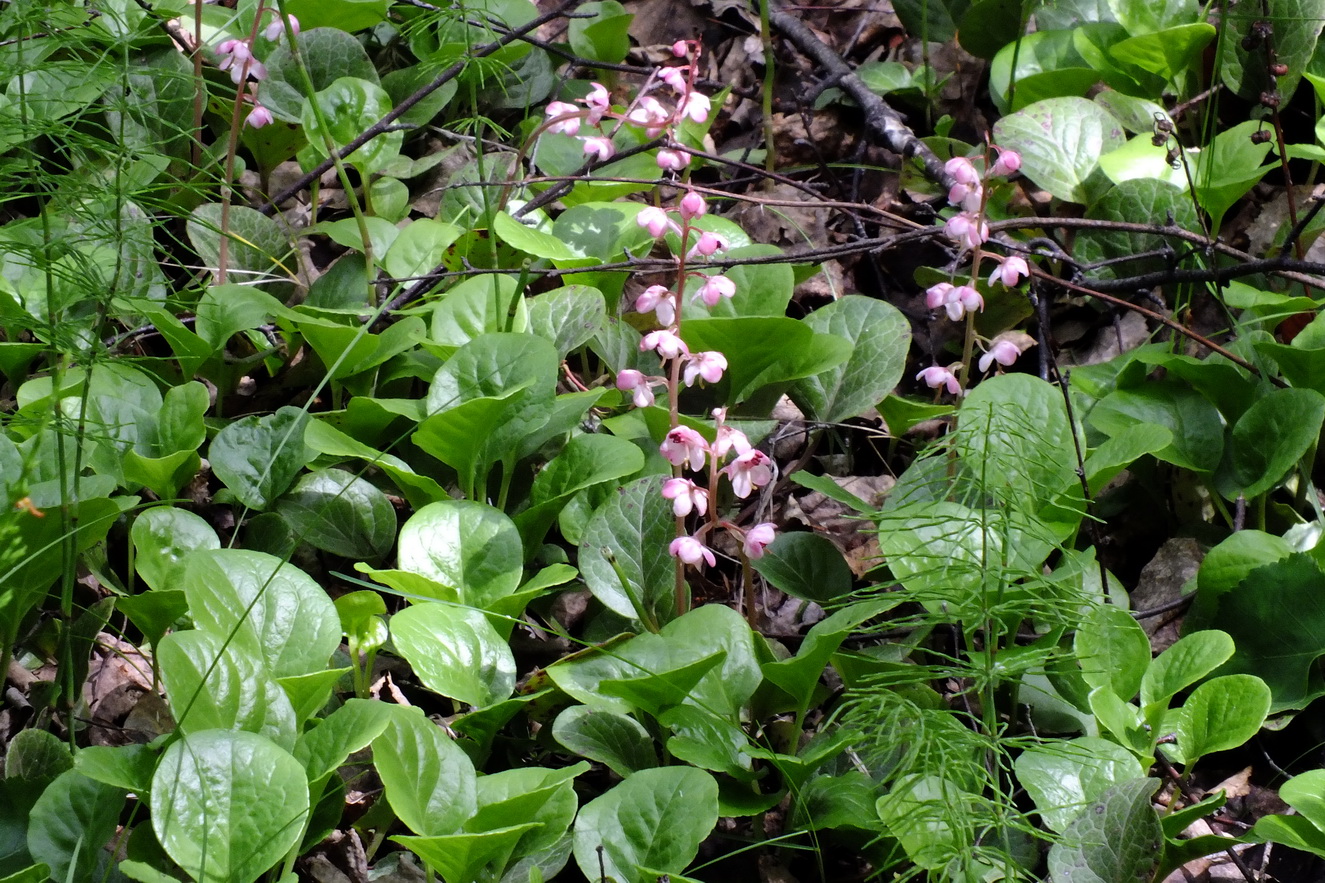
(429, 780)
(419, 247)
(1113, 650)
(257, 246)
(607, 737)
(567, 317)
(456, 652)
(806, 565)
(1138, 197)
(798, 675)
(1168, 53)
(471, 548)
(267, 607)
(339, 513)
(1269, 440)
(1116, 838)
(654, 819)
(765, 350)
(1296, 26)
(1060, 141)
(37, 756)
(1064, 777)
(227, 806)
(602, 34)
(259, 457)
(1184, 663)
(346, 730)
(1048, 65)
(461, 856)
(71, 823)
(127, 767)
(586, 461)
(329, 53)
(880, 337)
(1220, 715)
(703, 739)
(1198, 431)
(349, 106)
(629, 527)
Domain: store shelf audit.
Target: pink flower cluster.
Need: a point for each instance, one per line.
(237, 57)
(968, 228)
(647, 112)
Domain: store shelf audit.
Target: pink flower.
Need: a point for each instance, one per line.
(680, 48)
(650, 113)
(1008, 162)
(758, 538)
(599, 147)
(656, 220)
(665, 343)
(966, 230)
(935, 376)
(672, 160)
(599, 102)
(964, 299)
(686, 496)
(259, 116)
(691, 551)
(707, 244)
(715, 288)
(568, 126)
(684, 445)
(1004, 352)
(706, 365)
(1010, 271)
(657, 299)
(962, 171)
(276, 29)
(692, 205)
(937, 295)
(239, 61)
(674, 77)
(968, 196)
(696, 107)
(730, 439)
(749, 471)
(639, 384)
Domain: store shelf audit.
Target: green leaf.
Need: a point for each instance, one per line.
(1116, 838)
(798, 675)
(346, 730)
(806, 565)
(654, 689)
(1136, 198)
(461, 856)
(1296, 26)
(1188, 660)
(1113, 650)
(1048, 66)
(227, 806)
(267, 608)
(1229, 563)
(617, 740)
(456, 652)
(533, 241)
(344, 15)
(703, 739)
(329, 54)
(70, 825)
(633, 526)
(37, 757)
(429, 780)
(880, 337)
(1064, 777)
(225, 310)
(488, 304)
(989, 25)
(934, 21)
(1060, 141)
(337, 512)
(258, 457)
(655, 819)
(419, 247)
(567, 317)
(600, 32)
(1221, 714)
(350, 105)
(1269, 440)
(1306, 794)
(257, 245)
(1281, 649)
(471, 548)
(764, 350)
(1198, 431)
(127, 767)
(939, 550)
(1168, 53)
(586, 461)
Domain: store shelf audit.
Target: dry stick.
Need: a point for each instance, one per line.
(384, 124)
(880, 119)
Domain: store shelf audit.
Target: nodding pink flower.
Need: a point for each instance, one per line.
(696, 106)
(758, 538)
(239, 61)
(935, 376)
(681, 48)
(707, 244)
(692, 205)
(1011, 271)
(686, 496)
(656, 220)
(1004, 352)
(966, 230)
(639, 385)
(276, 29)
(650, 113)
(691, 551)
(657, 299)
(937, 295)
(715, 288)
(749, 471)
(675, 77)
(683, 445)
(665, 343)
(672, 160)
(1008, 162)
(599, 147)
(968, 196)
(568, 126)
(962, 171)
(963, 299)
(259, 116)
(730, 439)
(599, 102)
(706, 365)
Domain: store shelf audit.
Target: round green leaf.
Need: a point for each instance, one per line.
(258, 457)
(1060, 141)
(456, 652)
(599, 31)
(227, 806)
(329, 53)
(1118, 837)
(469, 547)
(340, 513)
(807, 566)
(429, 780)
(880, 337)
(1221, 714)
(1113, 650)
(1064, 777)
(1269, 440)
(610, 738)
(634, 526)
(350, 105)
(652, 823)
(72, 821)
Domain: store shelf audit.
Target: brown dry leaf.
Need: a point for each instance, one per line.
(851, 532)
(827, 138)
(663, 23)
(1161, 582)
(800, 223)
